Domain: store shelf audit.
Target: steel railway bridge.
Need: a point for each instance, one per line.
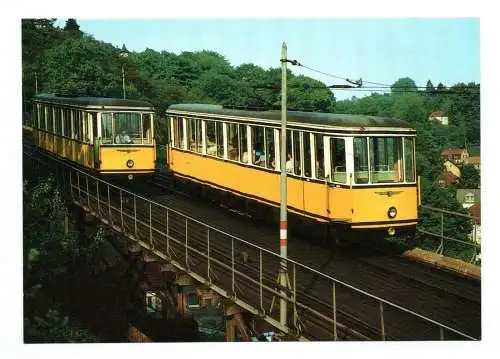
(321, 307)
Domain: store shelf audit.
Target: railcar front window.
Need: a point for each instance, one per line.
(127, 128)
(360, 160)
(147, 133)
(409, 162)
(107, 128)
(386, 159)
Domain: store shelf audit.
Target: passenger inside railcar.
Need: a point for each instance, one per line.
(260, 156)
(123, 138)
(289, 163)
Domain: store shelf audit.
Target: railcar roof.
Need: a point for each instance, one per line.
(299, 117)
(92, 101)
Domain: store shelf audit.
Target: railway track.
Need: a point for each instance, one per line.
(441, 298)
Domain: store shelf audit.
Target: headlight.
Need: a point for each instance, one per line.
(130, 163)
(392, 212)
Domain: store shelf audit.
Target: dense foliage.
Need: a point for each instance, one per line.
(51, 248)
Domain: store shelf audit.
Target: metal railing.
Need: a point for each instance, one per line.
(452, 247)
(321, 307)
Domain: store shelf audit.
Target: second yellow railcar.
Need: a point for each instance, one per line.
(357, 172)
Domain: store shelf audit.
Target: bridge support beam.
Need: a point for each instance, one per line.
(234, 319)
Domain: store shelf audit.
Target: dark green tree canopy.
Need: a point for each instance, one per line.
(469, 177)
(72, 26)
(403, 85)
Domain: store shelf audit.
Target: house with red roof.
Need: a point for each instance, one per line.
(475, 161)
(440, 117)
(447, 179)
(455, 155)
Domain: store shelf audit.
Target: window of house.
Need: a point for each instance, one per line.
(193, 300)
(469, 198)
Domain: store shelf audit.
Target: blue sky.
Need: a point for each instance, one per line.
(377, 50)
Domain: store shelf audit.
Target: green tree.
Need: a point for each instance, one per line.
(444, 198)
(37, 35)
(84, 66)
(51, 247)
(72, 27)
(429, 87)
(403, 85)
(469, 177)
(307, 94)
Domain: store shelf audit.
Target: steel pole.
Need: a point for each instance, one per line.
(283, 191)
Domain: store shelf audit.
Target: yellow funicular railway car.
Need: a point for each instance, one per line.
(108, 135)
(353, 172)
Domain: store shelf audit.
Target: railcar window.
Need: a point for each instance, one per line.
(258, 143)
(409, 163)
(88, 127)
(57, 120)
(67, 123)
(194, 134)
(337, 160)
(219, 136)
(360, 160)
(41, 116)
(296, 153)
(307, 154)
(78, 121)
(232, 141)
(386, 159)
(50, 119)
(215, 139)
(147, 126)
(320, 156)
(178, 132)
(210, 138)
(243, 141)
(107, 128)
(269, 148)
